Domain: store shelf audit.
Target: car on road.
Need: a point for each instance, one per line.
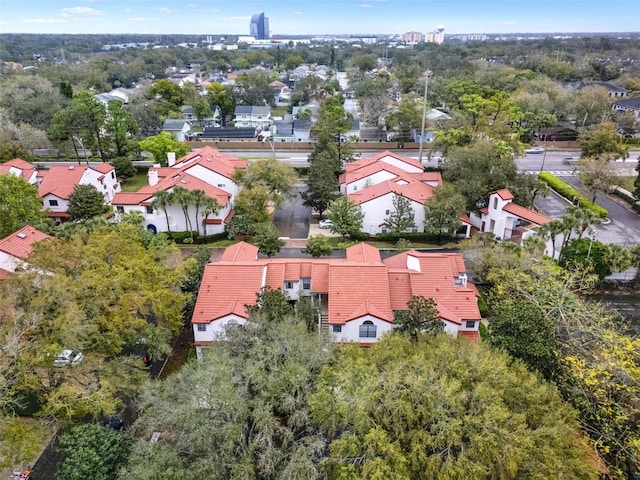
(570, 160)
(67, 357)
(534, 150)
(326, 223)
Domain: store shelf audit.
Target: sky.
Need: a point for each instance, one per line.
(312, 17)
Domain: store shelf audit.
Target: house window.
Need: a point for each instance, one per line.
(221, 185)
(53, 203)
(355, 188)
(387, 212)
(368, 330)
(149, 209)
(120, 209)
(231, 324)
(495, 203)
(306, 283)
(288, 285)
(337, 328)
(470, 324)
(202, 327)
(383, 229)
(113, 175)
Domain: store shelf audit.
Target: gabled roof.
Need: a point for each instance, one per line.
(356, 286)
(183, 179)
(132, 198)
(381, 156)
(504, 194)
(633, 103)
(175, 124)
(211, 159)
(526, 214)
(60, 180)
(104, 167)
(20, 244)
(413, 190)
(19, 167)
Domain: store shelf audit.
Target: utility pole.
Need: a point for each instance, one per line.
(426, 74)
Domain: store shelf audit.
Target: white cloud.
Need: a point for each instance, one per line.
(127, 9)
(140, 19)
(44, 20)
(164, 10)
(85, 11)
(364, 5)
(506, 23)
(297, 13)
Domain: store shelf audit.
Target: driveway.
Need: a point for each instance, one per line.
(622, 227)
(292, 218)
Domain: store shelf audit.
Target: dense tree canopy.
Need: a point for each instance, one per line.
(20, 204)
(442, 408)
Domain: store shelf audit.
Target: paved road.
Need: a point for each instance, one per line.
(292, 218)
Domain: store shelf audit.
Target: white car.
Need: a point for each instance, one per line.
(67, 357)
(326, 223)
(534, 150)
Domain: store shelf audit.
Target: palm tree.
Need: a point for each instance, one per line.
(182, 197)
(161, 201)
(198, 199)
(210, 207)
(549, 231)
(619, 258)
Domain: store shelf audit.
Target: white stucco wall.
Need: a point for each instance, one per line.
(62, 206)
(216, 329)
(369, 180)
(351, 330)
(375, 213)
(213, 178)
(401, 164)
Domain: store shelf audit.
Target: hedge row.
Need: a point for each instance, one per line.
(627, 197)
(631, 141)
(570, 193)
(185, 237)
(410, 236)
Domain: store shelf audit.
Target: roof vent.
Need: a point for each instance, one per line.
(22, 235)
(71, 167)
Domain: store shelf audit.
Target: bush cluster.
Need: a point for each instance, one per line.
(571, 193)
(411, 236)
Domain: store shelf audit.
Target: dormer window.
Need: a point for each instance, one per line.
(460, 280)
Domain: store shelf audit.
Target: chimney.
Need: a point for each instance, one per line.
(171, 158)
(153, 176)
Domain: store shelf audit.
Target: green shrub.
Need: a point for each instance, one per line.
(570, 193)
(484, 332)
(413, 237)
(631, 141)
(180, 237)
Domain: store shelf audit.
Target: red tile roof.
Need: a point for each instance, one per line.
(413, 190)
(104, 167)
(471, 335)
(183, 179)
(430, 177)
(129, 198)
(525, 213)
(381, 156)
(4, 274)
(504, 194)
(20, 244)
(60, 180)
(25, 168)
(357, 286)
(211, 159)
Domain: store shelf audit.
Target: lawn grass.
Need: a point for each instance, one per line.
(134, 183)
(626, 183)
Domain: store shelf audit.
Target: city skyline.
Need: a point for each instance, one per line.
(315, 17)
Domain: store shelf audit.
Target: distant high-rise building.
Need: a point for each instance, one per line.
(435, 37)
(259, 26)
(412, 37)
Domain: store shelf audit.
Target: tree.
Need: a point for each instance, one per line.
(162, 199)
(92, 451)
(20, 204)
(209, 207)
(443, 210)
(122, 128)
(278, 178)
(402, 217)
(252, 203)
(422, 315)
(161, 144)
(218, 95)
(404, 118)
(346, 217)
(318, 246)
(168, 91)
(30, 99)
(397, 410)
(85, 202)
(586, 253)
(267, 238)
(184, 198)
(322, 183)
(201, 109)
(272, 305)
(124, 168)
(253, 390)
(636, 182)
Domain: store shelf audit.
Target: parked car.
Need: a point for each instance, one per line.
(67, 357)
(534, 150)
(326, 223)
(570, 160)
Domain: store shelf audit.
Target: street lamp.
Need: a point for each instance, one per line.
(426, 74)
(77, 139)
(593, 237)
